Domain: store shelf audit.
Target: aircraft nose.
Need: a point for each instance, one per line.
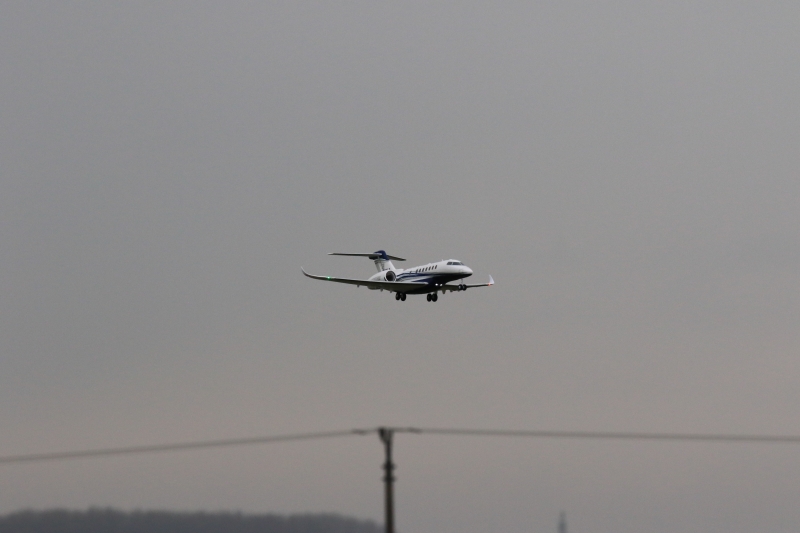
(467, 270)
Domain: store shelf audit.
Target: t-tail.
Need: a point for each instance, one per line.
(382, 260)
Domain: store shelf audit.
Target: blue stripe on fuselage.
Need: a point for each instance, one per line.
(430, 279)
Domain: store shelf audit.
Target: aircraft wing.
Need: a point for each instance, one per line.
(468, 286)
(394, 286)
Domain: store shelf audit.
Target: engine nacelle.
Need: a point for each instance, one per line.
(390, 276)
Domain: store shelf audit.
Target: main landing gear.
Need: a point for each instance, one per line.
(432, 297)
(400, 296)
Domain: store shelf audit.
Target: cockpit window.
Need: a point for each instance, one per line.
(455, 263)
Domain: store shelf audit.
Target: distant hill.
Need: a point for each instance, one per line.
(111, 521)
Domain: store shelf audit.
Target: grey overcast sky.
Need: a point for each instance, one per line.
(627, 171)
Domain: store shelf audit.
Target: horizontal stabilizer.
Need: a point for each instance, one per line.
(380, 254)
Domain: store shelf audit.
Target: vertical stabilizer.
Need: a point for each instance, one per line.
(382, 261)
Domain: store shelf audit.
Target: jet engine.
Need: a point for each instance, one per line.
(390, 276)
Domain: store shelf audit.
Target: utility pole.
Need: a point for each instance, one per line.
(386, 435)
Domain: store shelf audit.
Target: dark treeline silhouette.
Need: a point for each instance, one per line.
(112, 521)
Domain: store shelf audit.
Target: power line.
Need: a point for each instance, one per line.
(221, 443)
(541, 434)
(607, 435)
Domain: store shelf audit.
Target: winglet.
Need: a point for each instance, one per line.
(315, 277)
(491, 281)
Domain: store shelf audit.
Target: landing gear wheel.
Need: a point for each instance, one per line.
(429, 297)
(403, 296)
(397, 296)
(434, 297)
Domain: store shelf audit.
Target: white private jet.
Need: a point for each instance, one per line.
(426, 279)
